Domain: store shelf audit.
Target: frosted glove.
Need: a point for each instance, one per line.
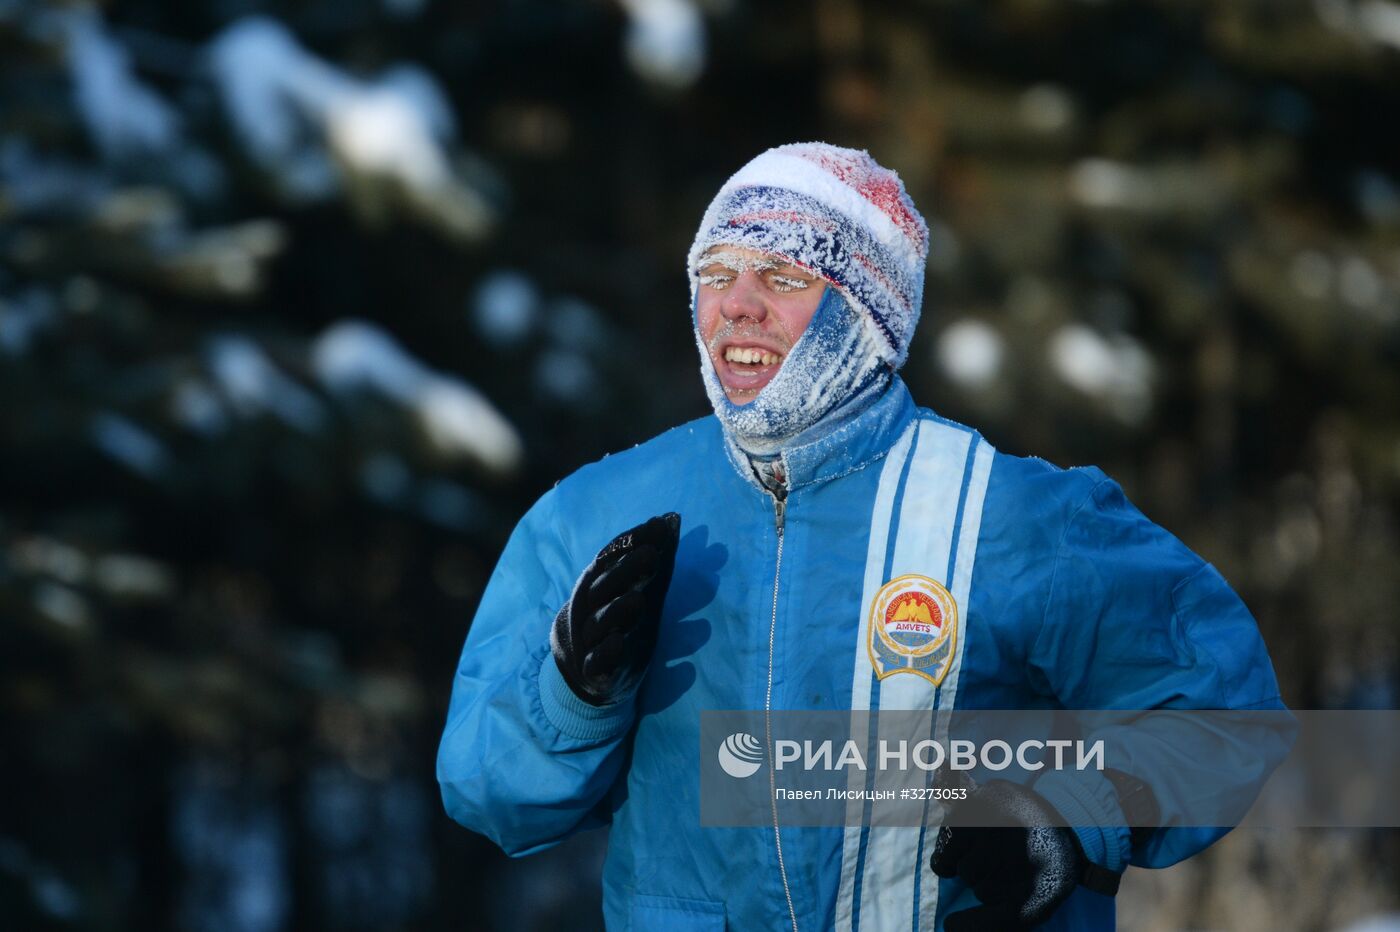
(604, 635)
(1013, 857)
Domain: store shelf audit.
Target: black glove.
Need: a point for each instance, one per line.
(604, 635)
(1009, 851)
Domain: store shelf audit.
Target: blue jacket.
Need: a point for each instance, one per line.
(1065, 596)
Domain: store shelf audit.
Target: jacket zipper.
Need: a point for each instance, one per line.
(779, 517)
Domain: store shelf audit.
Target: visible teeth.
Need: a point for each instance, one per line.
(750, 356)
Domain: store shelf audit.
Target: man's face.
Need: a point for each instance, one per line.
(752, 307)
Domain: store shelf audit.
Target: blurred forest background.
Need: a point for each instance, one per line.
(303, 304)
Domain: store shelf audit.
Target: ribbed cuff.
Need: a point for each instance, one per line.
(1088, 803)
(574, 717)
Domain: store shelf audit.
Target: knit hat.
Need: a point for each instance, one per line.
(837, 213)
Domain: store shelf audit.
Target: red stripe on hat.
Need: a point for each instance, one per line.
(877, 185)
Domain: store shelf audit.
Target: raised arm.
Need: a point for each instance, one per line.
(526, 758)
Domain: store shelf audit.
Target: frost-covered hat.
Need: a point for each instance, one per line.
(837, 213)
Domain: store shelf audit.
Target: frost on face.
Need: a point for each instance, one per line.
(834, 212)
(838, 249)
(837, 357)
(720, 267)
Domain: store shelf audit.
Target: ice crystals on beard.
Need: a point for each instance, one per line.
(837, 353)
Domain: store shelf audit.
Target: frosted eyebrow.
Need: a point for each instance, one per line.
(736, 263)
(762, 263)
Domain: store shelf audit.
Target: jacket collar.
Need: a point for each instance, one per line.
(859, 441)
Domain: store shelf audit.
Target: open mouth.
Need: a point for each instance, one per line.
(744, 370)
(751, 356)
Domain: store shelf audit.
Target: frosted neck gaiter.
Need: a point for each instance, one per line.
(836, 360)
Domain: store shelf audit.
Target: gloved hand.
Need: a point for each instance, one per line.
(1008, 850)
(604, 635)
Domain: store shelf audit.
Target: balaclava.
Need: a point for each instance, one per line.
(840, 215)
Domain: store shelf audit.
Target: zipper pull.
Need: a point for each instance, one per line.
(780, 494)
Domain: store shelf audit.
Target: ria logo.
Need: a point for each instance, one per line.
(740, 755)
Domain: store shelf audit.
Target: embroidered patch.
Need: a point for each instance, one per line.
(913, 628)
